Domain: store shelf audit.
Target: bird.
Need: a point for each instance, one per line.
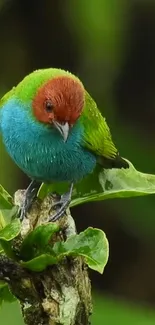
(54, 131)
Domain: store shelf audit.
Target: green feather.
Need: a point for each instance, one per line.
(7, 96)
(97, 136)
(29, 86)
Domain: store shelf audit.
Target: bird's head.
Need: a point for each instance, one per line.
(59, 103)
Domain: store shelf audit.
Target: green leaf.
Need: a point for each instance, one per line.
(11, 230)
(91, 244)
(6, 247)
(7, 208)
(2, 220)
(2, 225)
(5, 294)
(107, 184)
(6, 201)
(40, 263)
(37, 240)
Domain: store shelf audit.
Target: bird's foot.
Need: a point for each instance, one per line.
(30, 194)
(61, 205)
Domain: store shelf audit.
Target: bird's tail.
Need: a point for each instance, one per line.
(117, 162)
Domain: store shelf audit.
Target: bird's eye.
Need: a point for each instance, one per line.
(48, 106)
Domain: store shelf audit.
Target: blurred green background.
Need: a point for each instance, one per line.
(110, 45)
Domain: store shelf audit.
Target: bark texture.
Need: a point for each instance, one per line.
(61, 294)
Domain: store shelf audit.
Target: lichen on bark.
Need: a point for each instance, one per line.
(61, 294)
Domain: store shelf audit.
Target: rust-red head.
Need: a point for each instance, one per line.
(59, 102)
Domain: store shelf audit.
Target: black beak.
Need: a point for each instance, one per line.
(63, 129)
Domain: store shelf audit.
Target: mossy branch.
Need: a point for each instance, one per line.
(60, 294)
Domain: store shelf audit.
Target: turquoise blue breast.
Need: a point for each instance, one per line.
(40, 150)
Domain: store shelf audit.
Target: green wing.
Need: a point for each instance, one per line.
(97, 136)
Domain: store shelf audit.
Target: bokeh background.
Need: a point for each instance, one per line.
(110, 45)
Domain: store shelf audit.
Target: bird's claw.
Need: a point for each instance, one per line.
(30, 195)
(61, 205)
(22, 213)
(24, 209)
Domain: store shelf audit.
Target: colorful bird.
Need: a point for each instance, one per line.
(53, 130)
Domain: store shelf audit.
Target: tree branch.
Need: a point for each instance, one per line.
(61, 294)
